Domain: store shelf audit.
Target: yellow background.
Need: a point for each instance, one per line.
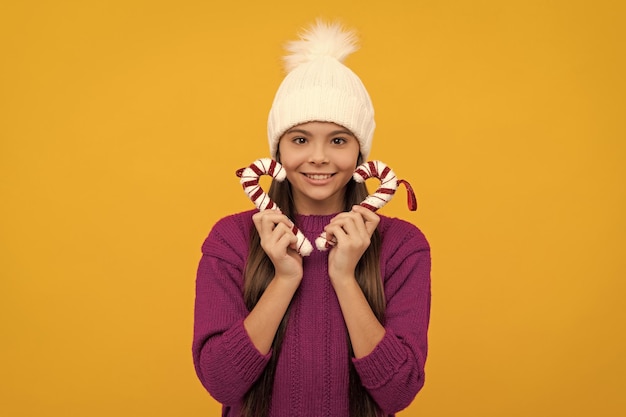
(122, 124)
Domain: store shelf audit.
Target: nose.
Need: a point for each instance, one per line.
(318, 154)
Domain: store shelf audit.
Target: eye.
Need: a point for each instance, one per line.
(339, 141)
(299, 140)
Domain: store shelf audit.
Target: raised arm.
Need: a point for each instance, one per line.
(232, 345)
(393, 372)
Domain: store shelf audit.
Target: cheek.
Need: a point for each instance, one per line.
(352, 156)
(349, 162)
(290, 167)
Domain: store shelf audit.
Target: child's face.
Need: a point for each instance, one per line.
(319, 158)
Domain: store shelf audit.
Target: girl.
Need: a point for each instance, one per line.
(337, 333)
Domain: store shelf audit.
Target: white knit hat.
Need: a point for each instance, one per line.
(319, 87)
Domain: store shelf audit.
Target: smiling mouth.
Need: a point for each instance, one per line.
(319, 176)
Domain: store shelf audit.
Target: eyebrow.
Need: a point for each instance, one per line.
(334, 132)
(342, 131)
(304, 132)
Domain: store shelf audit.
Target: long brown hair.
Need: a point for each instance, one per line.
(260, 271)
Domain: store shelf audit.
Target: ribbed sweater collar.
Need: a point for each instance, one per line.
(313, 223)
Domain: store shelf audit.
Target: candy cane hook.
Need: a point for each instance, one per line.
(388, 186)
(250, 183)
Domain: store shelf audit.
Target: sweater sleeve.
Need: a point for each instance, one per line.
(393, 373)
(226, 361)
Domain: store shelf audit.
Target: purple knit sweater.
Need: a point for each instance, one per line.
(312, 372)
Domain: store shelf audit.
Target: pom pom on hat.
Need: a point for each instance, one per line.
(320, 40)
(319, 87)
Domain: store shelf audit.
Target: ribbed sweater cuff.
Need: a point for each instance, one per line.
(241, 353)
(377, 368)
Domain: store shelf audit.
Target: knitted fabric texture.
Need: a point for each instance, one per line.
(319, 87)
(312, 371)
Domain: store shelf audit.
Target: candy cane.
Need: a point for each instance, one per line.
(250, 182)
(388, 186)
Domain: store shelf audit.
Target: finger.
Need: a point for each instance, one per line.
(278, 242)
(370, 218)
(271, 215)
(271, 237)
(267, 220)
(282, 228)
(335, 233)
(341, 216)
(353, 225)
(287, 241)
(265, 226)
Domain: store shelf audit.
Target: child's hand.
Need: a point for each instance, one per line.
(352, 231)
(279, 243)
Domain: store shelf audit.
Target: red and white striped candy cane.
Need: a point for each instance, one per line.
(388, 186)
(250, 182)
